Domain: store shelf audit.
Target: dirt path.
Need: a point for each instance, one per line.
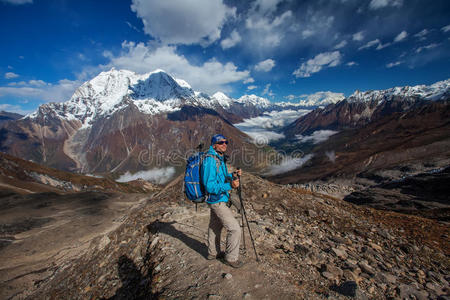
(183, 233)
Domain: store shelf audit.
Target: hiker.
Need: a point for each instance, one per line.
(218, 184)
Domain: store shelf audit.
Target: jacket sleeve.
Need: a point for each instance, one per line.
(210, 178)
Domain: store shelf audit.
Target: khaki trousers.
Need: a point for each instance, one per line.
(222, 216)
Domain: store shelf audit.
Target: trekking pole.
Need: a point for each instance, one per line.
(243, 224)
(245, 216)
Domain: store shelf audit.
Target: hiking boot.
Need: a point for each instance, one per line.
(218, 256)
(235, 264)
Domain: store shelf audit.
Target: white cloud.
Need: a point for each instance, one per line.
(320, 61)
(39, 89)
(290, 97)
(352, 63)
(264, 137)
(209, 77)
(374, 43)
(316, 137)
(288, 164)
(132, 26)
(370, 44)
(11, 75)
(37, 83)
(251, 87)
(10, 67)
(265, 7)
(264, 28)
(422, 34)
(359, 36)
(267, 91)
(401, 36)
(231, 41)
(264, 23)
(265, 65)
(307, 33)
(183, 22)
(316, 23)
(158, 176)
(446, 28)
(382, 46)
(17, 2)
(331, 156)
(393, 64)
(270, 120)
(377, 4)
(261, 128)
(428, 47)
(249, 80)
(341, 45)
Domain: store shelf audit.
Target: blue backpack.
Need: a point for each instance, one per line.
(193, 187)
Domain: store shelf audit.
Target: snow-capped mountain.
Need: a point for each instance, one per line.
(362, 108)
(436, 91)
(152, 93)
(321, 99)
(122, 121)
(253, 100)
(223, 100)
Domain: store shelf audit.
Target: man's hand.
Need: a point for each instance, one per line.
(235, 184)
(238, 172)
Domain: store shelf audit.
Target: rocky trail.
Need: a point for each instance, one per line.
(311, 246)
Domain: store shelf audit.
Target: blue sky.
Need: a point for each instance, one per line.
(272, 48)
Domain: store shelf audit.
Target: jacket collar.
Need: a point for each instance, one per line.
(214, 152)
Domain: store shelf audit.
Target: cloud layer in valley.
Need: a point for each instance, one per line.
(261, 128)
(289, 163)
(158, 176)
(316, 137)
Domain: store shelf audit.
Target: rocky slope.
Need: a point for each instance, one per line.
(368, 165)
(18, 176)
(310, 247)
(419, 135)
(425, 194)
(7, 116)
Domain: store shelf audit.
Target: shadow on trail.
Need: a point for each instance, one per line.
(134, 284)
(169, 229)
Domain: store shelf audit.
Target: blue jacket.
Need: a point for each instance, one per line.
(216, 184)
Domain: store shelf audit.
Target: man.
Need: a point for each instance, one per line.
(218, 184)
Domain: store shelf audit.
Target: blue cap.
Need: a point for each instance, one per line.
(217, 138)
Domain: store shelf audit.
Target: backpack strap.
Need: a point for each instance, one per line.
(217, 161)
(217, 166)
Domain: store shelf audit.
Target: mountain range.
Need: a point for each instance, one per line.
(122, 121)
(114, 123)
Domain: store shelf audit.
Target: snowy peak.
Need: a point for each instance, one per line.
(222, 99)
(113, 90)
(160, 86)
(254, 100)
(436, 91)
(321, 99)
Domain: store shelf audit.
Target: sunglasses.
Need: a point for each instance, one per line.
(222, 142)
